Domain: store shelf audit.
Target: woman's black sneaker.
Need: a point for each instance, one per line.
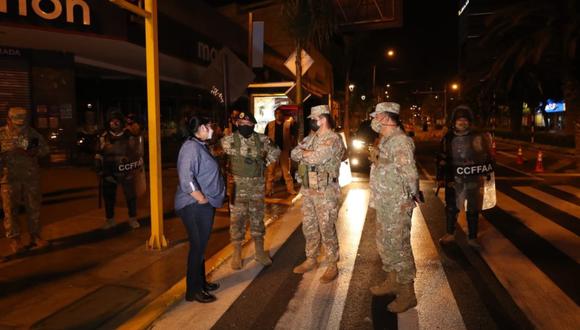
(202, 296)
(211, 286)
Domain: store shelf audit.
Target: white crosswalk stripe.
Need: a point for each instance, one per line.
(543, 302)
(569, 189)
(320, 306)
(563, 239)
(554, 201)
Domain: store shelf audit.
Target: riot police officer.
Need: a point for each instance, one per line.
(462, 146)
(249, 153)
(118, 158)
(319, 156)
(20, 148)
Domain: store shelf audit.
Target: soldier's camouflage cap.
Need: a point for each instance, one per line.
(391, 107)
(244, 115)
(318, 110)
(17, 115)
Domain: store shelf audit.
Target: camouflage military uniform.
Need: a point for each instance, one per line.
(20, 177)
(248, 196)
(393, 183)
(320, 206)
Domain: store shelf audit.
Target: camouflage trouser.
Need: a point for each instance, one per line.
(284, 164)
(320, 211)
(25, 193)
(248, 202)
(394, 242)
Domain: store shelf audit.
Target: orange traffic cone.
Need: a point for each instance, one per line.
(540, 162)
(520, 159)
(493, 148)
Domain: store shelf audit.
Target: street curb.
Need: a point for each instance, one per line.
(156, 308)
(536, 146)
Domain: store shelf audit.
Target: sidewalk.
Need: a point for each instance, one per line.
(91, 277)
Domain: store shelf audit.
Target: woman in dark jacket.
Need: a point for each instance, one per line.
(200, 191)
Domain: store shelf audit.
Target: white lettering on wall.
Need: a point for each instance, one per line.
(205, 52)
(54, 13)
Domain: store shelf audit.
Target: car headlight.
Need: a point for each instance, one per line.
(358, 144)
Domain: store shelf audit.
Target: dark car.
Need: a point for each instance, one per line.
(360, 143)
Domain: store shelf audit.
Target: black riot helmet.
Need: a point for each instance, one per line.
(462, 111)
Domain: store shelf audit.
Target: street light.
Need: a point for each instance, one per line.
(351, 87)
(454, 86)
(390, 53)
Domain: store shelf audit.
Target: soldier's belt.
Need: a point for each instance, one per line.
(384, 161)
(474, 170)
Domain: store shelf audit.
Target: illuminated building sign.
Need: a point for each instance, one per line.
(49, 10)
(552, 106)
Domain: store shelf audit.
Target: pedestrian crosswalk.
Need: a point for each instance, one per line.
(527, 276)
(544, 292)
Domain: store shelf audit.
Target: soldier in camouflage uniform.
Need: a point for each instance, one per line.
(249, 153)
(394, 184)
(319, 156)
(20, 148)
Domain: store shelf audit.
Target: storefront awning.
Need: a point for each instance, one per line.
(106, 53)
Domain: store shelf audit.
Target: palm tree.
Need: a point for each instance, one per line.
(540, 34)
(307, 22)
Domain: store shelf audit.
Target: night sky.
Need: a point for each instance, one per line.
(426, 47)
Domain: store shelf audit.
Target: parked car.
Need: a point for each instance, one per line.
(361, 141)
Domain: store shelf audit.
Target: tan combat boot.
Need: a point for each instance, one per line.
(237, 256)
(308, 265)
(405, 299)
(38, 242)
(16, 245)
(447, 239)
(261, 256)
(330, 274)
(389, 286)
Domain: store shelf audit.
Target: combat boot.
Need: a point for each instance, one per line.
(109, 223)
(389, 286)
(38, 242)
(134, 223)
(16, 245)
(447, 239)
(261, 256)
(308, 265)
(330, 274)
(474, 243)
(406, 299)
(237, 256)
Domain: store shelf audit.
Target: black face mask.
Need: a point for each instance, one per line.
(314, 125)
(246, 131)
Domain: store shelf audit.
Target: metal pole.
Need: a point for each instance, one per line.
(226, 89)
(445, 105)
(157, 239)
(375, 94)
(250, 38)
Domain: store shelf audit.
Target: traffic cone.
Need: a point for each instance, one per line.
(493, 148)
(520, 159)
(540, 162)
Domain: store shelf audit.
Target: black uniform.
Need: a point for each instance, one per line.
(119, 157)
(460, 151)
